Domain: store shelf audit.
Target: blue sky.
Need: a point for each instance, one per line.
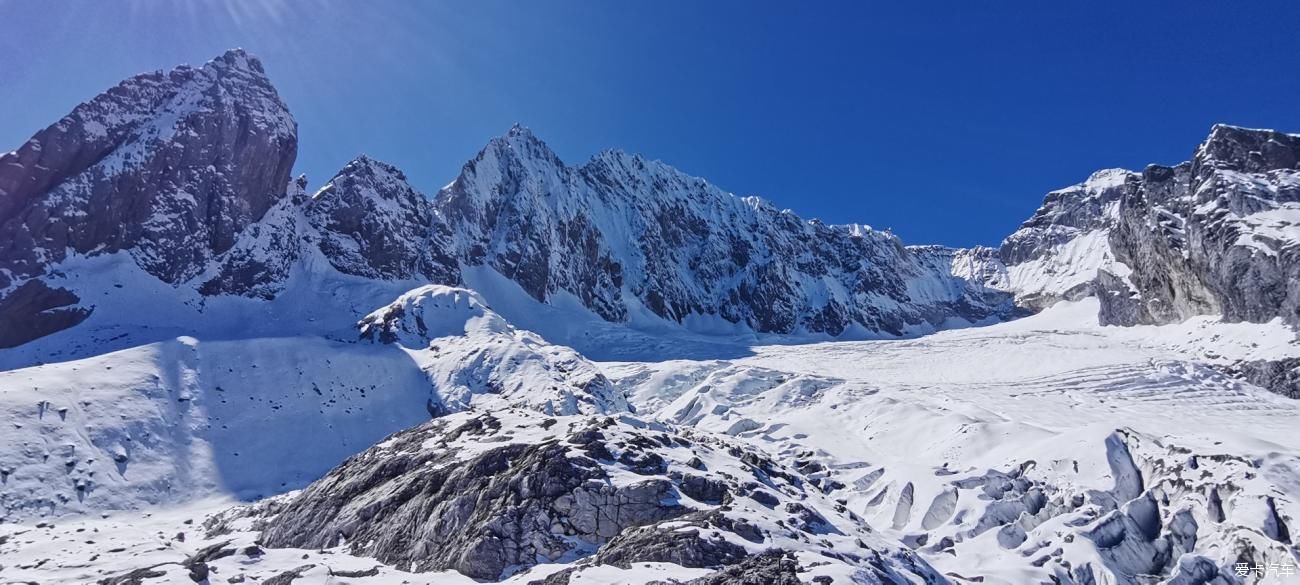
(946, 122)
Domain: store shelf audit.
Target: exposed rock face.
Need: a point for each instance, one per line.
(1216, 235)
(773, 567)
(622, 226)
(435, 509)
(170, 166)
(668, 543)
(492, 494)
(260, 262)
(1220, 234)
(372, 223)
(1281, 376)
(1157, 283)
(33, 310)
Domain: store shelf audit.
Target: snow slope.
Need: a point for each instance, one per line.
(919, 430)
(1047, 447)
(195, 416)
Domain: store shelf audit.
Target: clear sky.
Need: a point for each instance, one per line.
(946, 122)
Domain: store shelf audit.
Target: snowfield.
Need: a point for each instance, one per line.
(1005, 454)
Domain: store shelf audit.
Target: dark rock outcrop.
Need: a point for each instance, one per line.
(260, 262)
(1281, 376)
(492, 494)
(168, 166)
(372, 223)
(431, 509)
(691, 547)
(33, 310)
(772, 567)
(1217, 235)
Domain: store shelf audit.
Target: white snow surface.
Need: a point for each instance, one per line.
(114, 449)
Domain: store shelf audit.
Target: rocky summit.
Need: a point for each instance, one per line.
(622, 228)
(615, 372)
(170, 167)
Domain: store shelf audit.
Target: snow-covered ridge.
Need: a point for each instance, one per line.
(623, 228)
(1210, 236)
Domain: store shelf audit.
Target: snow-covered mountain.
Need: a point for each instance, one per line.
(618, 373)
(1215, 235)
(1057, 253)
(627, 235)
(168, 167)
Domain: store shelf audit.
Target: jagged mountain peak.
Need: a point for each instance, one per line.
(518, 129)
(520, 143)
(122, 114)
(623, 227)
(372, 223)
(237, 61)
(365, 167)
(1249, 150)
(170, 167)
(617, 156)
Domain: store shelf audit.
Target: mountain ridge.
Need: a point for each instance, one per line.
(619, 372)
(624, 234)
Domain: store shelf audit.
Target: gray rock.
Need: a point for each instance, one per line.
(135, 577)
(670, 544)
(372, 223)
(1186, 233)
(772, 567)
(506, 507)
(288, 577)
(1281, 376)
(169, 166)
